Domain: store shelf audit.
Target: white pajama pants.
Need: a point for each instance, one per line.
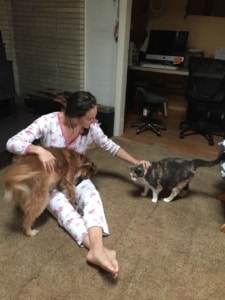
(89, 203)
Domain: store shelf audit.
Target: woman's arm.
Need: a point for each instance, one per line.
(121, 153)
(22, 142)
(45, 156)
(109, 145)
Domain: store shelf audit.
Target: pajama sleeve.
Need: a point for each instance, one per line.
(102, 140)
(19, 143)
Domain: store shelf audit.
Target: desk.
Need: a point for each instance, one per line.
(160, 81)
(179, 71)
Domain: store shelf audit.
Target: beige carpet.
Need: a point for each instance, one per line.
(166, 251)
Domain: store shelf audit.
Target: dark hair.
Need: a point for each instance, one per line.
(79, 103)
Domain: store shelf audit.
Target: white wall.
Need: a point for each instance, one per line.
(101, 50)
(122, 64)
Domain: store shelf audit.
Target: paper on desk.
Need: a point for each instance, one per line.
(220, 53)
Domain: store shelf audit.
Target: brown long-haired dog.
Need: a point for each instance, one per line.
(28, 182)
(222, 198)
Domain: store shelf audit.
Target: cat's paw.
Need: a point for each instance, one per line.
(154, 200)
(167, 200)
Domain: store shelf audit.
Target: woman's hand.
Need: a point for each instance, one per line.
(145, 163)
(121, 153)
(47, 159)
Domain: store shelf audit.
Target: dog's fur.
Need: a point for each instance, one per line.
(221, 197)
(28, 182)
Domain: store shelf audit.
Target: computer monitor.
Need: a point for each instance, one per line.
(167, 46)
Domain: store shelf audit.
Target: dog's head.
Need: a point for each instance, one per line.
(81, 164)
(87, 167)
(137, 172)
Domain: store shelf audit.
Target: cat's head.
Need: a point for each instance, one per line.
(137, 172)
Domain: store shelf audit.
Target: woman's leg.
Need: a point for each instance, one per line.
(98, 254)
(89, 202)
(67, 216)
(76, 224)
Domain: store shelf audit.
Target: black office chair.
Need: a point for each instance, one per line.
(205, 95)
(151, 104)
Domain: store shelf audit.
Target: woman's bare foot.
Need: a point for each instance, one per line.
(104, 258)
(112, 256)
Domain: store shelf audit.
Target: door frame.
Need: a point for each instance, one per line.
(125, 7)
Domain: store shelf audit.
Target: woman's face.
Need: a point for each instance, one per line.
(88, 118)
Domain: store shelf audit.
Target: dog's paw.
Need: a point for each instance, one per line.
(32, 232)
(154, 200)
(222, 228)
(221, 197)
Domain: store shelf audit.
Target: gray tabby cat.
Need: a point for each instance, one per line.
(173, 174)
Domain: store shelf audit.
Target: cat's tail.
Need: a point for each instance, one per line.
(15, 179)
(209, 163)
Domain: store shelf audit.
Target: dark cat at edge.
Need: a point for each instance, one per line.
(173, 174)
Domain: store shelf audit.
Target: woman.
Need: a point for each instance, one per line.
(75, 128)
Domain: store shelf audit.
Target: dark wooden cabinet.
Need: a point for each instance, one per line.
(206, 8)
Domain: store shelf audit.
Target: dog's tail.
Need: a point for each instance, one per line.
(14, 179)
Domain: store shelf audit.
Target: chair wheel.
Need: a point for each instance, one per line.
(181, 126)
(158, 134)
(211, 143)
(181, 136)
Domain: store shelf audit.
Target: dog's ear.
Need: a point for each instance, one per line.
(93, 167)
(90, 166)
